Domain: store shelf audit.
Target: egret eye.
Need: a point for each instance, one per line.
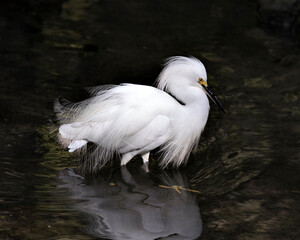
(202, 82)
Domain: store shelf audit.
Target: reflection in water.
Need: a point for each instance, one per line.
(135, 208)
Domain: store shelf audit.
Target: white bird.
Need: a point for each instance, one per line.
(130, 119)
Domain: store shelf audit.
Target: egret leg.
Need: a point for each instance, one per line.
(146, 162)
(146, 157)
(126, 158)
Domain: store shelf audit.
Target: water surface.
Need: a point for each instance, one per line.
(241, 183)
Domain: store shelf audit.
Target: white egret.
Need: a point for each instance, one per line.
(130, 119)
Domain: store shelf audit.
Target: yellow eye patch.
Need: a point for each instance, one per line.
(202, 82)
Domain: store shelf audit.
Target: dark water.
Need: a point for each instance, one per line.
(242, 183)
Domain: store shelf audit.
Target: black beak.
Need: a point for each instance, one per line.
(212, 97)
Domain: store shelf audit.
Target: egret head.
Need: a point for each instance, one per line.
(180, 72)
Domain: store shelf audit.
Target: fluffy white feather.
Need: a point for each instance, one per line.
(131, 119)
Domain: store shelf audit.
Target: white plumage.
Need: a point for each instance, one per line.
(132, 120)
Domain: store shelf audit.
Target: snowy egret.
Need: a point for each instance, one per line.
(130, 119)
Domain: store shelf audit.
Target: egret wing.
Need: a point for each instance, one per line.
(154, 134)
(114, 115)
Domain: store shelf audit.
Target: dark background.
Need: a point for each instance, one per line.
(247, 164)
